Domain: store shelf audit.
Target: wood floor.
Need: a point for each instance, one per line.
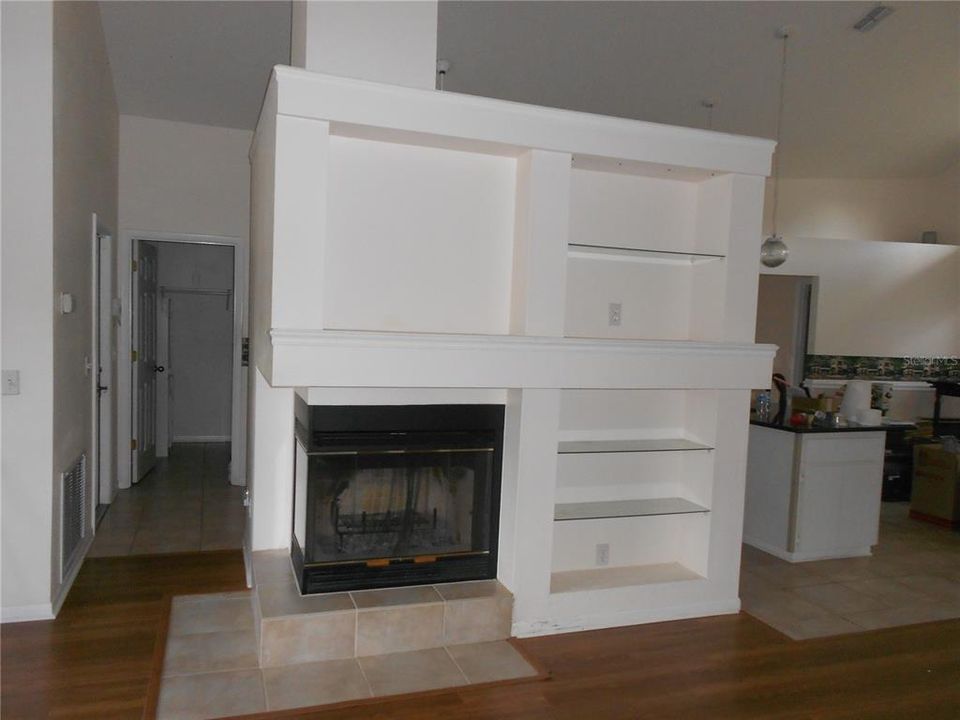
(98, 659)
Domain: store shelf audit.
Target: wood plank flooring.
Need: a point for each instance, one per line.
(97, 660)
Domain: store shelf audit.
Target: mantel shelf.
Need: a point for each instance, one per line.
(626, 508)
(606, 252)
(566, 447)
(606, 578)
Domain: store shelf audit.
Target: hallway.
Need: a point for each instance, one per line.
(185, 504)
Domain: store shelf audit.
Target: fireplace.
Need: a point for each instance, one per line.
(394, 495)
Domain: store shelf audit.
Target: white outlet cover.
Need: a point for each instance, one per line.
(11, 382)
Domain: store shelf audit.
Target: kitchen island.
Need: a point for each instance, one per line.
(813, 493)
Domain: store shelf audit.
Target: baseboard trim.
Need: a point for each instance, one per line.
(795, 557)
(26, 613)
(601, 621)
(200, 438)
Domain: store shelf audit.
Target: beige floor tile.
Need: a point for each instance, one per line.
(390, 597)
(888, 590)
(905, 615)
(184, 504)
(933, 586)
(477, 619)
(210, 652)
(211, 695)
(320, 683)
(787, 575)
(490, 661)
(473, 589)
(822, 626)
(307, 638)
(192, 615)
(781, 604)
(283, 598)
(411, 672)
(839, 599)
(271, 566)
(399, 629)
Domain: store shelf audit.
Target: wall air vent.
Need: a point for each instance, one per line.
(73, 504)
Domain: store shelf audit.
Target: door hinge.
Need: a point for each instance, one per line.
(133, 264)
(133, 443)
(133, 355)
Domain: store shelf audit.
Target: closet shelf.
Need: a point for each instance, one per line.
(626, 508)
(566, 447)
(619, 577)
(608, 252)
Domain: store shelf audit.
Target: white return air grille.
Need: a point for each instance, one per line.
(73, 504)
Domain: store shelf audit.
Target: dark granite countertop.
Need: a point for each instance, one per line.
(850, 428)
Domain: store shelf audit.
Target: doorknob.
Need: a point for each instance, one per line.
(158, 368)
(101, 389)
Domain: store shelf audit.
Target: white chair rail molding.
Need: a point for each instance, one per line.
(595, 278)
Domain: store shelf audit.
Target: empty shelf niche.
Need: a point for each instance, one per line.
(618, 577)
(626, 508)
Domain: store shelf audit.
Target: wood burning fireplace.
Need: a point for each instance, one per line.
(394, 495)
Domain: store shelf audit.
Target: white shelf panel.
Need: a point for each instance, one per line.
(605, 578)
(629, 446)
(606, 252)
(626, 508)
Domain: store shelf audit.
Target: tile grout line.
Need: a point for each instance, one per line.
(456, 664)
(363, 673)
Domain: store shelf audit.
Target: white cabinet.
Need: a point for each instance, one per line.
(812, 496)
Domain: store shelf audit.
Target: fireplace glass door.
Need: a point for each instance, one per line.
(399, 503)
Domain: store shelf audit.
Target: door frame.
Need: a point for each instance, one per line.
(103, 352)
(238, 420)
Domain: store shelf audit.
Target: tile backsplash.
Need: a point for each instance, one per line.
(842, 367)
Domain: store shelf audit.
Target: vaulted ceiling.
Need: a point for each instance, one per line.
(880, 104)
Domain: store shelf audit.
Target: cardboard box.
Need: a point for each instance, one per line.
(935, 496)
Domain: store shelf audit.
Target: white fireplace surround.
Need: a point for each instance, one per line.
(414, 246)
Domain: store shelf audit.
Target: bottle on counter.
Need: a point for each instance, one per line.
(763, 407)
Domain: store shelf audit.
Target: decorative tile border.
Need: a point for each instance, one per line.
(842, 367)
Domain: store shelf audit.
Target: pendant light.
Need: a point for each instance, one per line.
(774, 251)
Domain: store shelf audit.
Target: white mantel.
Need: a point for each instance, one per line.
(415, 246)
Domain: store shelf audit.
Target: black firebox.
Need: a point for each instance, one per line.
(393, 495)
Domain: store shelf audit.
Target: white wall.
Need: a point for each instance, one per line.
(84, 181)
(200, 363)
(893, 299)
(27, 259)
(890, 209)
(60, 166)
(183, 178)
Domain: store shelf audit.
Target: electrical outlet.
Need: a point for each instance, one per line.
(603, 553)
(11, 382)
(614, 314)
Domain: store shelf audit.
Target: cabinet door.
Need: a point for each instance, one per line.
(838, 507)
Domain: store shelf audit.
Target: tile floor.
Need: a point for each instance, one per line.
(912, 577)
(211, 670)
(185, 504)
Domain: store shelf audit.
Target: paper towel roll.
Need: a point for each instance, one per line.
(856, 398)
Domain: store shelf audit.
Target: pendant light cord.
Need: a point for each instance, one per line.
(776, 155)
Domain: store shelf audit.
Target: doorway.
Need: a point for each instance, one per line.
(183, 489)
(103, 362)
(785, 307)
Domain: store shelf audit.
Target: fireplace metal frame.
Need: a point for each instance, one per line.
(323, 426)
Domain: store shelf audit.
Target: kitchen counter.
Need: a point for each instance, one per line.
(813, 493)
(847, 429)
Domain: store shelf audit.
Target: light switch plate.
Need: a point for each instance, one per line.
(614, 314)
(11, 382)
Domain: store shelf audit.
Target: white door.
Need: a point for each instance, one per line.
(145, 363)
(104, 357)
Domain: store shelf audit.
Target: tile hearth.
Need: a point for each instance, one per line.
(271, 648)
